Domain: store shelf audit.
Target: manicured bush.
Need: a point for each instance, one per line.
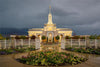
(51, 58)
(21, 37)
(43, 37)
(33, 37)
(67, 37)
(75, 37)
(93, 37)
(82, 37)
(57, 37)
(17, 37)
(1, 37)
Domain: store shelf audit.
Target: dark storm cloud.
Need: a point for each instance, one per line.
(87, 17)
(80, 15)
(56, 11)
(21, 13)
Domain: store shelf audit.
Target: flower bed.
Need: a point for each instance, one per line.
(83, 50)
(12, 51)
(51, 58)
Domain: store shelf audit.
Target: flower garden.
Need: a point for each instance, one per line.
(51, 58)
(85, 50)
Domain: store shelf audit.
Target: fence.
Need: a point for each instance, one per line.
(77, 43)
(82, 43)
(17, 43)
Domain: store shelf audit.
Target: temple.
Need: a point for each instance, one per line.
(50, 30)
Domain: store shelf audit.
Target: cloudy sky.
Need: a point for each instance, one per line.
(82, 16)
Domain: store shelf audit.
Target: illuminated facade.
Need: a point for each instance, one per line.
(50, 30)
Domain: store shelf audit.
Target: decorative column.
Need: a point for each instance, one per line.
(71, 42)
(79, 43)
(0, 44)
(40, 43)
(15, 42)
(29, 41)
(37, 43)
(22, 42)
(87, 42)
(62, 43)
(5, 44)
(60, 38)
(95, 43)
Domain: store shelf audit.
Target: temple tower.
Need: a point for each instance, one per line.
(50, 16)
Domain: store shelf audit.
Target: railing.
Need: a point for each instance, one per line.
(82, 43)
(4, 44)
(77, 43)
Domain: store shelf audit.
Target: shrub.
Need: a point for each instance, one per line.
(93, 37)
(17, 37)
(67, 37)
(33, 37)
(43, 37)
(1, 37)
(82, 37)
(75, 37)
(57, 37)
(23, 37)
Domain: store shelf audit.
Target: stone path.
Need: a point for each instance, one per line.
(9, 61)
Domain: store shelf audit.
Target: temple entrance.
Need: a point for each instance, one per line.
(50, 36)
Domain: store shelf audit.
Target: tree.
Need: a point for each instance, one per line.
(57, 37)
(82, 37)
(1, 37)
(93, 37)
(67, 37)
(33, 37)
(98, 37)
(7, 38)
(43, 37)
(17, 37)
(23, 37)
(75, 37)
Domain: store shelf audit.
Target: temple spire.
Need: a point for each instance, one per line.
(50, 16)
(49, 9)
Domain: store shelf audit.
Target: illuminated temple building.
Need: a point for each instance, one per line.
(50, 30)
